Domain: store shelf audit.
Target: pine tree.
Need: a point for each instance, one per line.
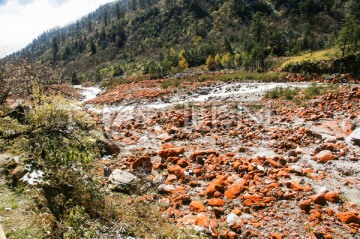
(227, 46)
(55, 49)
(92, 47)
(257, 28)
(349, 36)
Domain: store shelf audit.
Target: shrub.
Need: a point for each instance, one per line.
(313, 91)
(287, 93)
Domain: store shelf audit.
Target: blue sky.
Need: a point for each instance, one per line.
(23, 20)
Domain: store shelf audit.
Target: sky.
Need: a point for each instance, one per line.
(21, 21)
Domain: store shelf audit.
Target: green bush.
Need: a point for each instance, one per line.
(313, 91)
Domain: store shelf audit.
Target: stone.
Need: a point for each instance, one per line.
(217, 184)
(333, 197)
(354, 138)
(232, 220)
(251, 200)
(324, 156)
(166, 189)
(177, 170)
(143, 164)
(305, 205)
(216, 202)
(349, 217)
(109, 147)
(332, 129)
(122, 181)
(202, 220)
(276, 236)
(236, 188)
(202, 153)
(319, 199)
(171, 152)
(197, 206)
(18, 173)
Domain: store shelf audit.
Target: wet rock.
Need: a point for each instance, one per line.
(349, 217)
(122, 181)
(197, 206)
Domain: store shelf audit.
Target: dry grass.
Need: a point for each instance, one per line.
(324, 55)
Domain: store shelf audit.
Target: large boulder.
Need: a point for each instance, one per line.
(122, 181)
(332, 129)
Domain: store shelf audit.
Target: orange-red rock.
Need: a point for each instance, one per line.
(236, 188)
(332, 197)
(202, 153)
(250, 200)
(170, 152)
(216, 202)
(217, 184)
(305, 205)
(197, 206)
(319, 199)
(349, 217)
(276, 236)
(202, 220)
(142, 164)
(324, 156)
(177, 170)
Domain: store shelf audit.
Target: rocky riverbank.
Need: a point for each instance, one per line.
(228, 163)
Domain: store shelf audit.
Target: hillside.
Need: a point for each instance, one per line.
(157, 37)
(193, 119)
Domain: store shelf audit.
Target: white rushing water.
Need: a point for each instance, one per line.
(89, 93)
(236, 91)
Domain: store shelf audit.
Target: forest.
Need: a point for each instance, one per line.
(161, 37)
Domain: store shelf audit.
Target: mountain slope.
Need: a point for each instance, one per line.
(135, 33)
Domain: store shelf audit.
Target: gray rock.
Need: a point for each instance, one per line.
(4, 159)
(354, 137)
(122, 181)
(6, 163)
(232, 219)
(166, 189)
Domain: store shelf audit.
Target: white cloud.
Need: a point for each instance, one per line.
(22, 21)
